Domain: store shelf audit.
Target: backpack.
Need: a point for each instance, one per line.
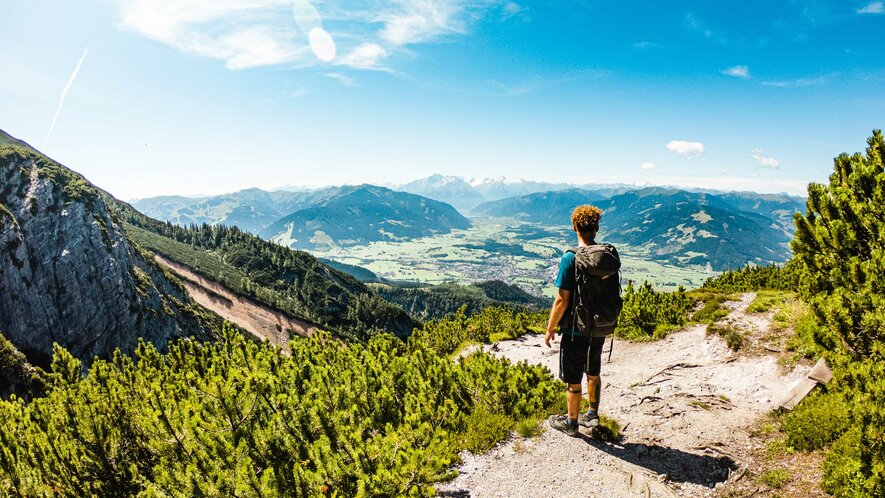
(596, 302)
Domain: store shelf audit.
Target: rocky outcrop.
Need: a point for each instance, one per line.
(68, 275)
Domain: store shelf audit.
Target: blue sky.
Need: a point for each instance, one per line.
(210, 96)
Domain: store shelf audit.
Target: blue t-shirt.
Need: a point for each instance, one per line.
(565, 280)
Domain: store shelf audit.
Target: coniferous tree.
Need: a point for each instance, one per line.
(840, 247)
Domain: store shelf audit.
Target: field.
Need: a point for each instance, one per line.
(494, 249)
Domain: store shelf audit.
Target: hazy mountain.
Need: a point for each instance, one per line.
(365, 213)
(68, 272)
(552, 208)
(251, 210)
(449, 189)
(502, 187)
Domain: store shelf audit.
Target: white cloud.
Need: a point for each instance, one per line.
(250, 33)
(243, 33)
(737, 72)
(511, 9)
(767, 162)
(414, 21)
(645, 44)
(648, 166)
(872, 8)
(364, 56)
(341, 78)
(686, 149)
(64, 93)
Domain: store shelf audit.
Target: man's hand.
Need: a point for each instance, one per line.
(549, 336)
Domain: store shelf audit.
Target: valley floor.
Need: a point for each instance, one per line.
(688, 406)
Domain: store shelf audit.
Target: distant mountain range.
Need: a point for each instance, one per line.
(680, 227)
(724, 229)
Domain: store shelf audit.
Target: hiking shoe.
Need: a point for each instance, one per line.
(589, 419)
(561, 423)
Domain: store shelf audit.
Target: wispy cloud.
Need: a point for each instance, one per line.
(365, 56)
(798, 83)
(643, 45)
(64, 93)
(695, 25)
(648, 166)
(341, 78)
(872, 8)
(767, 162)
(686, 149)
(251, 33)
(737, 72)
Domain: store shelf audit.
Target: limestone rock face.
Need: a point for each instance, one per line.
(68, 273)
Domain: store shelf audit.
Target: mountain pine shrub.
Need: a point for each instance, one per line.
(840, 248)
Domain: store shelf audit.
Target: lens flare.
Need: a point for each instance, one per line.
(321, 44)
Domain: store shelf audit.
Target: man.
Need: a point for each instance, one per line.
(577, 354)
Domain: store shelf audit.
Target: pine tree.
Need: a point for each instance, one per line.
(840, 247)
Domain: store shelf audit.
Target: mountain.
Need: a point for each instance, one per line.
(251, 209)
(361, 214)
(779, 207)
(68, 273)
(499, 188)
(694, 228)
(552, 208)
(449, 189)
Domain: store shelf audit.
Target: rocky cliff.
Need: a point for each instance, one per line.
(67, 272)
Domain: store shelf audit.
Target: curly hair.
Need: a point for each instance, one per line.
(586, 218)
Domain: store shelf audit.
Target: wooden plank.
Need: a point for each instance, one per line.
(821, 372)
(798, 393)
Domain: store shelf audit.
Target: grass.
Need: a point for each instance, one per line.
(776, 478)
(711, 310)
(768, 299)
(529, 427)
(732, 337)
(608, 430)
(700, 404)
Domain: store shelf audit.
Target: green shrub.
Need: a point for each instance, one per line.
(776, 478)
(819, 420)
(529, 427)
(236, 417)
(608, 430)
(712, 309)
(485, 430)
(843, 473)
(648, 314)
(732, 337)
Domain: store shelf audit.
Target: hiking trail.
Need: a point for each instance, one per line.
(686, 405)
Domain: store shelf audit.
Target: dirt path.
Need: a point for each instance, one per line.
(261, 321)
(685, 402)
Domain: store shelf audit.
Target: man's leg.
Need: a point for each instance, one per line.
(594, 390)
(594, 382)
(574, 401)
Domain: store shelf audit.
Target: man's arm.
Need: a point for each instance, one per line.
(559, 306)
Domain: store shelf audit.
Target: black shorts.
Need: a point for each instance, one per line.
(579, 355)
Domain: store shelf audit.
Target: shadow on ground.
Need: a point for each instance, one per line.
(677, 465)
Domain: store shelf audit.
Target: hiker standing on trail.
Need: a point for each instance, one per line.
(585, 310)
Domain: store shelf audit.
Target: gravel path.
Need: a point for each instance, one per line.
(685, 402)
